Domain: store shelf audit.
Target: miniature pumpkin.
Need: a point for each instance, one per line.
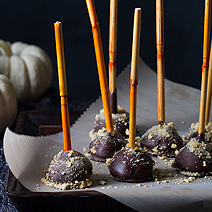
(8, 103)
(28, 67)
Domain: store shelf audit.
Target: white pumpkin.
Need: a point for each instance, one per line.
(8, 103)
(28, 67)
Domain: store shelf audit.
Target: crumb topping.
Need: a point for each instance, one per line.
(121, 116)
(120, 122)
(193, 130)
(130, 154)
(164, 130)
(192, 174)
(66, 186)
(68, 170)
(162, 139)
(201, 149)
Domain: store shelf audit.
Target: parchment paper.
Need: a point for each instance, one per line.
(28, 157)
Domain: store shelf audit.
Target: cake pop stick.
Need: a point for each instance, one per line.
(160, 60)
(105, 142)
(68, 169)
(195, 158)
(112, 54)
(120, 116)
(62, 85)
(162, 139)
(209, 90)
(132, 164)
(134, 76)
(207, 18)
(100, 65)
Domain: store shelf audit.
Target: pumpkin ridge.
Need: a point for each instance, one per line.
(28, 80)
(6, 48)
(8, 102)
(3, 114)
(9, 69)
(34, 76)
(29, 68)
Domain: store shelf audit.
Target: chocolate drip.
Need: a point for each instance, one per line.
(113, 101)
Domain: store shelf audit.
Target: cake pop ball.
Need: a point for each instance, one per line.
(131, 165)
(104, 144)
(69, 170)
(194, 159)
(162, 140)
(120, 121)
(193, 132)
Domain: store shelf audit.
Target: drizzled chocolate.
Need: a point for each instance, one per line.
(131, 165)
(162, 140)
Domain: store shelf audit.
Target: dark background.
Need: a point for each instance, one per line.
(32, 22)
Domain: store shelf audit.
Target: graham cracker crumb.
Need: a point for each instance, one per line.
(102, 182)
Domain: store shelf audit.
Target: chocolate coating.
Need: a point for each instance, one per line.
(131, 165)
(120, 126)
(113, 101)
(162, 140)
(67, 169)
(104, 144)
(194, 159)
(120, 121)
(193, 132)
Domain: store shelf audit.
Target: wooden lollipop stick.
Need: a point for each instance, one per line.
(160, 60)
(209, 90)
(112, 54)
(204, 66)
(100, 65)
(134, 76)
(62, 85)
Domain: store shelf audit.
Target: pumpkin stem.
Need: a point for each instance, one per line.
(6, 48)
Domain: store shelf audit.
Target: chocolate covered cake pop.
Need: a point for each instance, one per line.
(104, 144)
(69, 170)
(162, 140)
(131, 165)
(120, 121)
(194, 159)
(193, 132)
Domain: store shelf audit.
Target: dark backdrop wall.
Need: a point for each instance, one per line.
(32, 22)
